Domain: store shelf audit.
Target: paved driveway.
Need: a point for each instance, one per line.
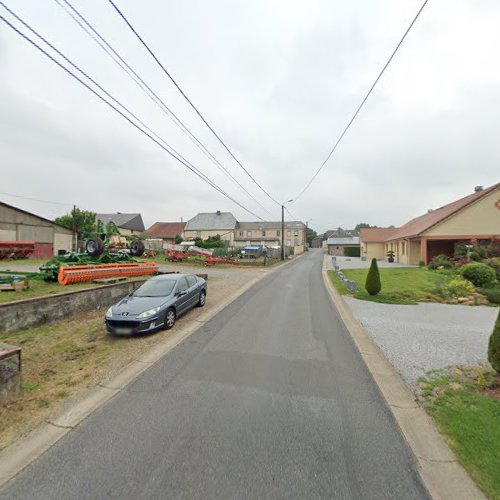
(420, 338)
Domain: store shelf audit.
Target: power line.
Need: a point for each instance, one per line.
(90, 30)
(363, 101)
(165, 147)
(36, 199)
(188, 100)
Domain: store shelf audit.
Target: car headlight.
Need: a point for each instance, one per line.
(109, 312)
(149, 312)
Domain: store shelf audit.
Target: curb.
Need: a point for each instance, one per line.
(441, 473)
(20, 454)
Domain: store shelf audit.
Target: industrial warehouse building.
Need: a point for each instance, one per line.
(19, 225)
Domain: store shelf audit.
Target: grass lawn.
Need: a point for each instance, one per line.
(466, 409)
(400, 285)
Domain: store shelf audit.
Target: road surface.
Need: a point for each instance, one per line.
(270, 399)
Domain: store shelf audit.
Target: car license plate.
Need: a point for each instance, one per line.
(123, 331)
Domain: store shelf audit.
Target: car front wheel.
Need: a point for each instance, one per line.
(202, 299)
(169, 319)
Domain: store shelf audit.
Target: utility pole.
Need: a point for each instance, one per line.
(282, 232)
(283, 229)
(75, 244)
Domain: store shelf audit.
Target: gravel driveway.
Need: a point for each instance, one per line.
(424, 337)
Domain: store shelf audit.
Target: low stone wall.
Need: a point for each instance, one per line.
(37, 311)
(10, 372)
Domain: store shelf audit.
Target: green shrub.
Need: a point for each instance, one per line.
(440, 262)
(492, 294)
(456, 288)
(494, 263)
(475, 256)
(479, 274)
(494, 346)
(421, 263)
(373, 285)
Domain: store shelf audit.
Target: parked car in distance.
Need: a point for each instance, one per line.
(156, 304)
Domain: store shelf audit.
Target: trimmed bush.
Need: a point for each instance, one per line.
(373, 285)
(494, 263)
(421, 263)
(494, 346)
(440, 262)
(479, 274)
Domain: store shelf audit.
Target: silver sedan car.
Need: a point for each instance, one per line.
(156, 304)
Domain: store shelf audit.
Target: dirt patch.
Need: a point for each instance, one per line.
(65, 360)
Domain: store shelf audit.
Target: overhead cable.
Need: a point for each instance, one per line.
(362, 102)
(151, 135)
(146, 46)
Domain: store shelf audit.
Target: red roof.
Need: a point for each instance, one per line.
(419, 225)
(376, 234)
(166, 230)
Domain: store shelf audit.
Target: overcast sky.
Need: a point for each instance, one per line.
(278, 80)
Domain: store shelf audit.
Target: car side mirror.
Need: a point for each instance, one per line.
(181, 293)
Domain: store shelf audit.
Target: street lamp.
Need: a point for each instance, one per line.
(283, 228)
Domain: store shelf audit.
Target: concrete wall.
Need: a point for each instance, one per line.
(29, 313)
(373, 250)
(62, 241)
(480, 218)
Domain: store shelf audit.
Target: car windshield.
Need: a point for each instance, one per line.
(155, 288)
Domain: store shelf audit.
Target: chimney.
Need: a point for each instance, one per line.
(429, 210)
(478, 188)
(181, 220)
(218, 212)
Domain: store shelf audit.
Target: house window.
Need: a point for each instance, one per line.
(241, 233)
(403, 248)
(263, 233)
(198, 234)
(296, 242)
(278, 233)
(289, 233)
(288, 242)
(249, 234)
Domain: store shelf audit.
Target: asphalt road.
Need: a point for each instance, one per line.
(270, 399)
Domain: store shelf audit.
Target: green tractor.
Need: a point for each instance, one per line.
(108, 237)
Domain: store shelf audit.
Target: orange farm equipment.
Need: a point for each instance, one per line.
(89, 272)
(174, 256)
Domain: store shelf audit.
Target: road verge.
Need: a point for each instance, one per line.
(441, 473)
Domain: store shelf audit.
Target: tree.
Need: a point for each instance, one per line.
(178, 239)
(311, 234)
(494, 346)
(85, 221)
(362, 225)
(373, 285)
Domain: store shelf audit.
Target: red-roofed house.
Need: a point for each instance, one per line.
(474, 217)
(372, 241)
(167, 231)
